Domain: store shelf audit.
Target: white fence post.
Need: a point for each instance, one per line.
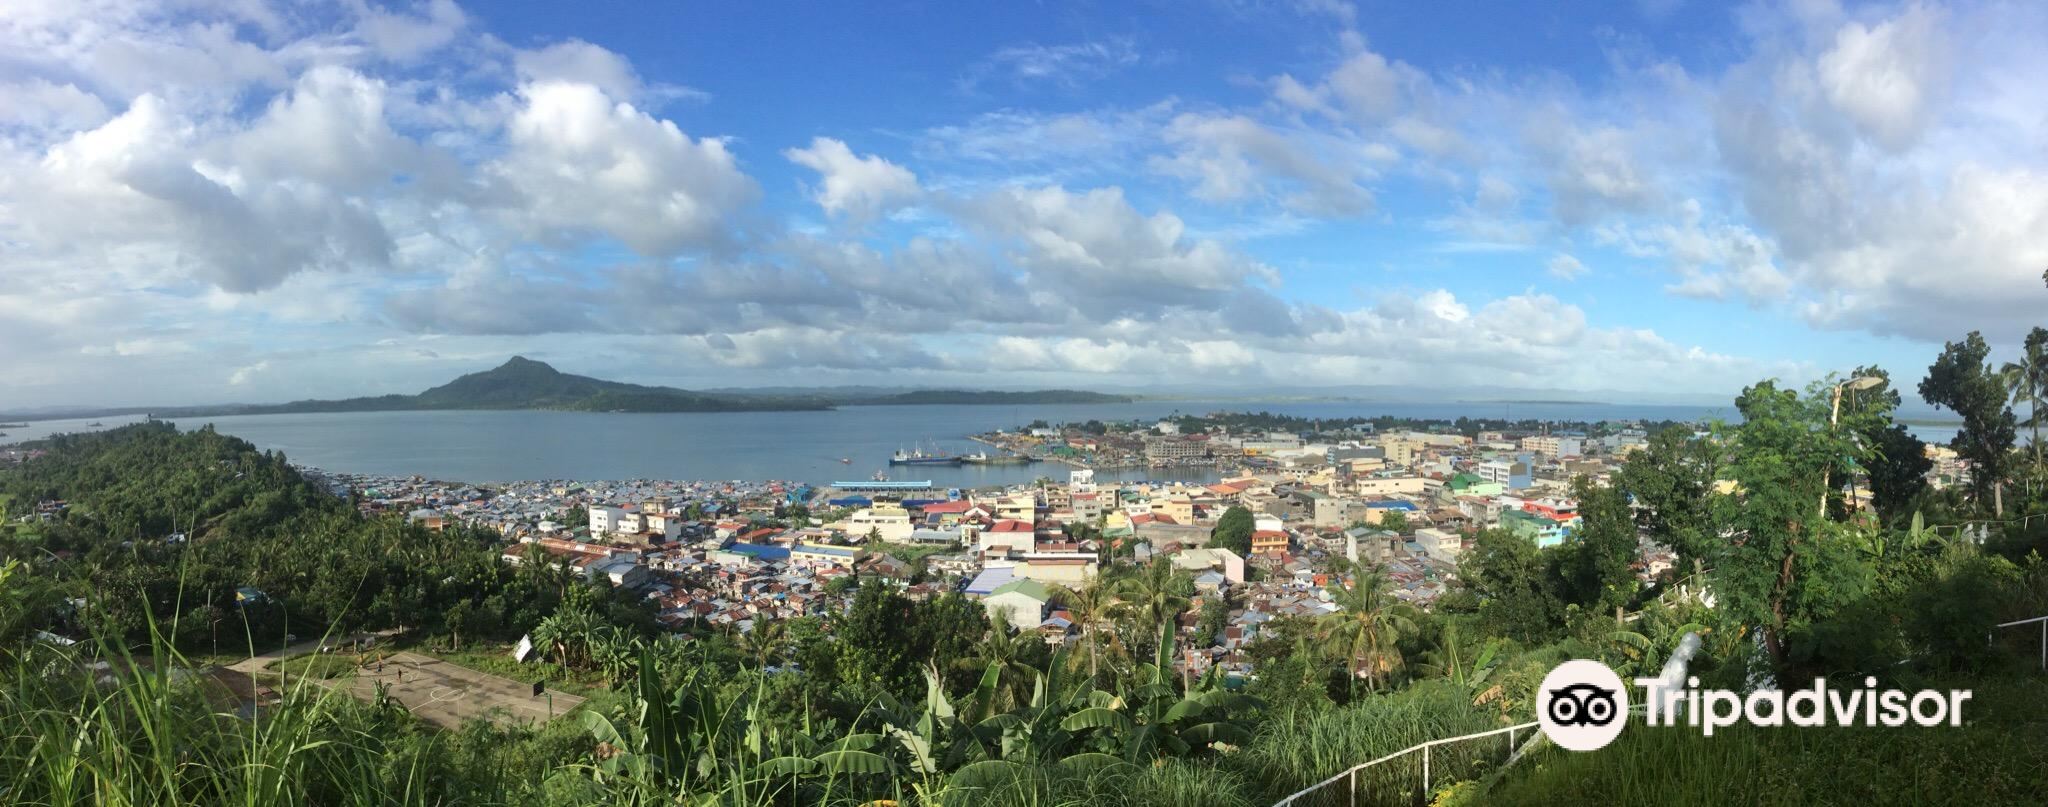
(1425, 771)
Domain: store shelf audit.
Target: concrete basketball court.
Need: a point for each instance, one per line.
(446, 694)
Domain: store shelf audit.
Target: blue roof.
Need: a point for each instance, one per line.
(761, 551)
(837, 551)
(991, 579)
(1392, 504)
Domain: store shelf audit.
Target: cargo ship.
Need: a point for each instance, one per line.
(983, 458)
(919, 457)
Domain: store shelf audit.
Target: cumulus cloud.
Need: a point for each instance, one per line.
(858, 188)
(1887, 77)
(583, 163)
(319, 181)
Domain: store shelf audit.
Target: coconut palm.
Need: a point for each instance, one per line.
(1091, 606)
(1153, 599)
(1003, 650)
(2026, 381)
(1368, 625)
(764, 640)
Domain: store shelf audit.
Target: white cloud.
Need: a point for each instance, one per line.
(186, 188)
(1233, 158)
(404, 37)
(1565, 267)
(859, 188)
(1064, 64)
(243, 375)
(583, 163)
(1888, 77)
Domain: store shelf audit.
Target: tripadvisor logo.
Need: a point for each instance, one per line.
(1582, 705)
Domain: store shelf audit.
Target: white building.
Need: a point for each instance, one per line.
(1442, 545)
(606, 519)
(888, 523)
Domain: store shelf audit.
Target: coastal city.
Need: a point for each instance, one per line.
(1243, 403)
(736, 554)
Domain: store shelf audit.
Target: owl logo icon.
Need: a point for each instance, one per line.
(1582, 705)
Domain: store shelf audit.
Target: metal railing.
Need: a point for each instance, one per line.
(1352, 773)
(2043, 620)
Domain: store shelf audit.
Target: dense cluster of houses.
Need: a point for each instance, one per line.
(1407, 502)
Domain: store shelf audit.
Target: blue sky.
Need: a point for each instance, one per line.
(212, 201)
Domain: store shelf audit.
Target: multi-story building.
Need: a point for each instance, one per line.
(1169, 449)
(884, 522)
(1513, 475)
(605, 519)
(1442, 545)
(1555, 445)
(1264, 541)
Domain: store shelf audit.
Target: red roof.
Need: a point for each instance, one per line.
(961, 506)
(1012, 525)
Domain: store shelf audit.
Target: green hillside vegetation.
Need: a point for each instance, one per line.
(925, 703)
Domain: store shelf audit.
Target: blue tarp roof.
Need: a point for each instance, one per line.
(991, 579)
(761, 551)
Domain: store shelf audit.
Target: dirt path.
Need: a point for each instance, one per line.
(446, 694)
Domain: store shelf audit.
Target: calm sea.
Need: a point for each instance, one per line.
(802, 446)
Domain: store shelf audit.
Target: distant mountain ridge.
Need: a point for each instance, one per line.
(523, 383)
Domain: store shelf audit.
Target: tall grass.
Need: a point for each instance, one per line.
(115, 728)
(1292, 754)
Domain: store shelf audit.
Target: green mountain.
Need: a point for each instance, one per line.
(522, 383)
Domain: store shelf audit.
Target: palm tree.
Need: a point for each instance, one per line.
(2026, 381)
(764, 640)
(1368, 625)
(1003, 650)
(1091, 605)
(1155, 598)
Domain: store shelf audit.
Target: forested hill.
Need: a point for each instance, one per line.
(167, 525)
(522, 383)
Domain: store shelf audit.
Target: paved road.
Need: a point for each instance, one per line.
(447, 694)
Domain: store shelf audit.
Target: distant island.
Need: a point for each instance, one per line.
(523, 383)
(971, 397)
